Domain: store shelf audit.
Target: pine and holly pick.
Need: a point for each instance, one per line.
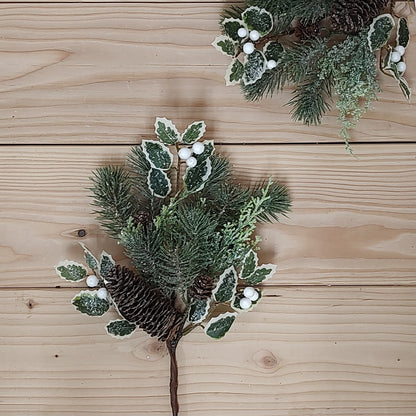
(188, 228)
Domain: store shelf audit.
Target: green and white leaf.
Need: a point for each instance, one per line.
(193, 132)
(225, 45)
(90, 259)
(198, 310)
(379, 31)
(159, 183)
(403, 35)
(217, 327)
(226, 286)
(120, 328)
(158, 155)
(258, 19)
(231, 27)
(234, 72)
(273, 50)
(208, 151)
(89, 303)
(166, 131)
(106, 264)
(196, 177)
(261, 274)
(250, 263)
(235, 302)
(71, 270)
(254, 67)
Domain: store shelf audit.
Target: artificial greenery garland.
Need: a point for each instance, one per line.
(326, 49)
(188, 230)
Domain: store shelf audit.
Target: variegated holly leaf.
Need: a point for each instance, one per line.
(217, 327)
(208, 151)
(120, 328)
(234, 72)
(258, 19)
(196, 177)
(226, 286)
(250, 263)
(235, 302)
(379, 31)
(90, 259)
(199, 310)
(159, 183)
(193, 132)
(403, 34)
(166, 131)
(261, 274)
(225, 45)
(254, 67)
(71, 270)
(231, 27)
(273, 50)
(158, 155)
(89, 303)
(106, 264)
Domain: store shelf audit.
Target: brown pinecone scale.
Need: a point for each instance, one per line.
(202, 287)
(143, 305)
(142, 217)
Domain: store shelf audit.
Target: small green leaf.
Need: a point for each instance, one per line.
(234, 72)
(225, 45)
(261, 274)
(106, 264)
(273, 50)
(403, 34)
(379, 31)
(208, 151)
(120, 328)
(404, 86)
(231, 26)
(199, 310)
(157, 154)
(71, 270)
(258, 19)
(254, 67)
(89, 303)
(226, 286)
(217, 327)
(250, 263)
(193, 132)
(91, 261)
(196, 177)
(159, 183)
(166, 131)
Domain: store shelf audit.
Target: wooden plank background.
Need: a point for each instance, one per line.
(335, 334)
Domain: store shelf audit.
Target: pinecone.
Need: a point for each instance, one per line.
(202, 287)
(350, 16)
(143, 305)
(142, 217)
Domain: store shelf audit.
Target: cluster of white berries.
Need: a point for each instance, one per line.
(397, 56)
(250, 296)
(185, 153)
(248, 47)
(92, 281)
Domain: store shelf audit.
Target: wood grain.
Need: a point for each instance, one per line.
(85, 73)
(352, 220)
(314, 351)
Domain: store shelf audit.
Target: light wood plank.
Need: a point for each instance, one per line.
(311, 351)
(82, 73)
(352, 220)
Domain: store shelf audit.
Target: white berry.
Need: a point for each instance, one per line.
(271, 64)
(395, 57)
(198, 148)
(401, 49)
(92, 280)
(401, 66)
(184, 153)
(245, 303)
(249, 292)
(242, 32)
(255, 296)
(248, 48)
(254, 35)
(191, 162)
(102, 293)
